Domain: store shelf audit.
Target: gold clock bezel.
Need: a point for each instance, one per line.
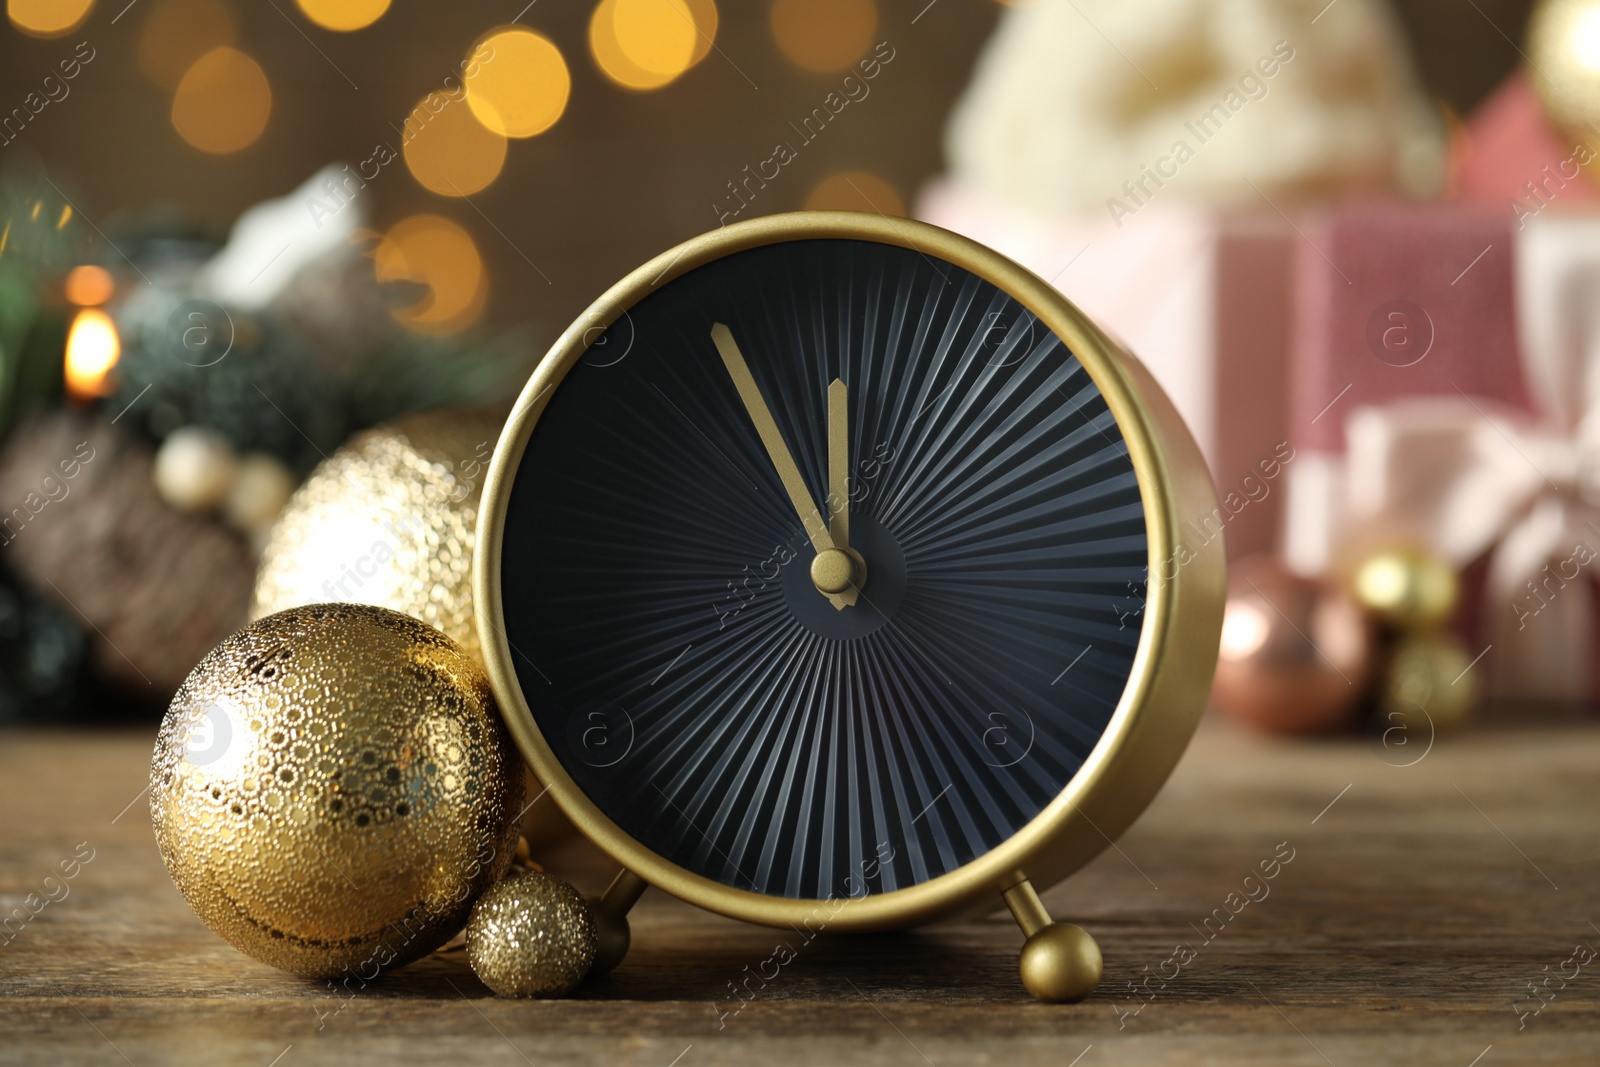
(1173, 662)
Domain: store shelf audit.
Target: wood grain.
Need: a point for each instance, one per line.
(1418, 903)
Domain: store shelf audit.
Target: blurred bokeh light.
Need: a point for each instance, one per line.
(855, 190)
(178, 32)
(448, 150)
(823, 36)
(434, 252)
(343, 15)
(657, 35)
(646, 44)
(518, 83)
(47, 18)
(88, 285)
(223, 102)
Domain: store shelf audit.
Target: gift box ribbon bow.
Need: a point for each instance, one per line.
(1465, 476)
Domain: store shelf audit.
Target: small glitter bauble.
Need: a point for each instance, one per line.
(1295, 656)
(389, 519)
(531, 936)
(1430, 676)
(1406, 588)
(1564, 53)
(332, 788)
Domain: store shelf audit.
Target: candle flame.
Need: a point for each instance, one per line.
(93, 349)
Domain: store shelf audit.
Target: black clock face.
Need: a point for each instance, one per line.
(659, 600)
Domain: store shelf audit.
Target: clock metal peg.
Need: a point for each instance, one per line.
(610, 911)
(1060, 962)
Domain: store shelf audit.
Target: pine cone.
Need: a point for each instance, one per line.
(83, 526)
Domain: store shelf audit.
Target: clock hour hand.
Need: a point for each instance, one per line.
(833, 570)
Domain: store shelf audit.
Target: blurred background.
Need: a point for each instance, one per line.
(235, 235)
(622, 173)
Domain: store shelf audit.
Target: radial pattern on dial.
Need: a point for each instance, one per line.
(655, 574)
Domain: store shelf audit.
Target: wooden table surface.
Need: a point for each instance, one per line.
(1419, 903)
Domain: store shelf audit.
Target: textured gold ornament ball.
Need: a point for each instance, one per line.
(532, 935)
(389, 519)
(1427, 687)
(1564, 54)
(332, 788)
(1408, 588)
(1061, 963)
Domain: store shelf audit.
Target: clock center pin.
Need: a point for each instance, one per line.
(836, 569)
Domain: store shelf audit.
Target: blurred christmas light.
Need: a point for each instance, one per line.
(223, 102)
(855, 190)
(89, 286)
(436, 253)
(655, 35)
(522, 88)
(178, 32)
(448, 150)
(646, 44)
(342, 16)
(47, 18)
(823, 36)
(92, 353)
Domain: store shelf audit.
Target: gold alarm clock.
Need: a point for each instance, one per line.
(834, 568)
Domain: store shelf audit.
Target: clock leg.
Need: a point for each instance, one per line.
(1060, 962)
(611, 919)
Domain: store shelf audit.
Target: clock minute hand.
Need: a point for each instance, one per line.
(839, 463)
(783, 462)
(767, 427)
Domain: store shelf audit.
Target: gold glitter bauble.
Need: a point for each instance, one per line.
(1408, 588)
(1564, 52)
(1430, 675)
(389, 519)
(531, 936)
(332, 788)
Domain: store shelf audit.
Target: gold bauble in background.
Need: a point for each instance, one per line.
(1407, 588)
(1564, 52)
(332, 789)
(532, 935)
(1427, 675)
(1295, 655)
(389, 519)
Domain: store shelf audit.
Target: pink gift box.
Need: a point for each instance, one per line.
(1445, 378)
(1391, 300)
(1398, 299)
